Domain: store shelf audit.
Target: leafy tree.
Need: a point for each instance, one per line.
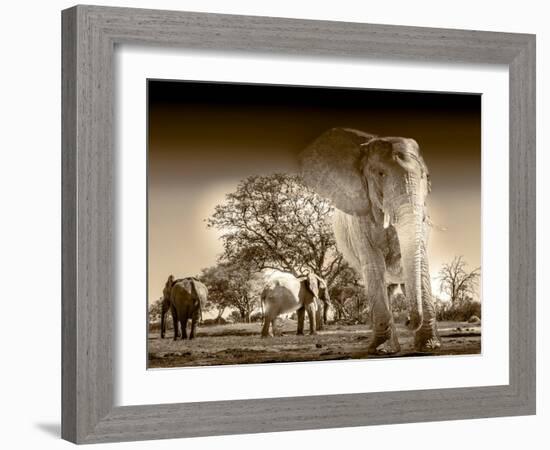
(155, 310)
(235, 317)
(399, 303)
(276, 222)
(457, 282)
(216, 280)
(232, 285)
(344, 286)
(258, 316)
(357, 306)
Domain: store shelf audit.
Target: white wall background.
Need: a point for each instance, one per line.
(30, 210)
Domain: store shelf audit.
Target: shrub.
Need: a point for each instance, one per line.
(400, 316)
(235, 317)
(216, 321)
(462, 311)
(256, 317)
(155, 309)
(154, 327)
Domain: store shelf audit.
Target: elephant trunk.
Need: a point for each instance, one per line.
(409, 226)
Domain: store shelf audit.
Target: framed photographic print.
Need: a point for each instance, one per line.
(262, 251)
(278, 200)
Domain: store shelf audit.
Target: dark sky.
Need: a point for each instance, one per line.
(205, 137)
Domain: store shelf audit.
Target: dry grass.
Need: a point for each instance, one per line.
(242, 344)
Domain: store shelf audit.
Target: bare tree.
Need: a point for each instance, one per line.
(457, 282)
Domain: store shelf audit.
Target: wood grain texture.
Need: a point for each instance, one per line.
(522, 224)
(89, 37)
(68, 225)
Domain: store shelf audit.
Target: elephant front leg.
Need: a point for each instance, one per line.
(427, 339)
(384, 334)
(276, 326)
(319, 317)
(311, 313)
(265, 328)
(301, 313)
(163, 312)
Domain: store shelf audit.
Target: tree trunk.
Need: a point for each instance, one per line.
(245, 315)
(220, 313)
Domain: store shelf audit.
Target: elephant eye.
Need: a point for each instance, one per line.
(382, 174)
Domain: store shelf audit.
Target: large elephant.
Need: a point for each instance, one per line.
(379, 187)
(184, 297)
(308, 294)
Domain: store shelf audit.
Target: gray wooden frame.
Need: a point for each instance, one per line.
(89, 37)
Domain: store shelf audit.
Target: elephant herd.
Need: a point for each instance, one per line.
(184, 298)
(378, 187)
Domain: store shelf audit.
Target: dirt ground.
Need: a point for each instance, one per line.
(242, 344)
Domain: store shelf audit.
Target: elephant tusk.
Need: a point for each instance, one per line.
(434, 225)
(386, 220)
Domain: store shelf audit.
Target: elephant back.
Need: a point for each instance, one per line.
(182, 288)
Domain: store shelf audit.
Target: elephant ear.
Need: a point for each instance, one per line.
(312, 284)
(168, 286)
(330, 165)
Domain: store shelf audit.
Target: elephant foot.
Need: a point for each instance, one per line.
(388, 348)
(426, 340)
(299, 333)
(384, 345)
(313, 333)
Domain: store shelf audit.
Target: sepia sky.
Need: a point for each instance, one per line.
(203, 138)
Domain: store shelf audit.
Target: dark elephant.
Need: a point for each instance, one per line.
(185, 298)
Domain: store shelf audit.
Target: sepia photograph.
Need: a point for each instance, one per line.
(307, 223)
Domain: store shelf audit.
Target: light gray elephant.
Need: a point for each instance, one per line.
(379, 186)
(185, 298)
(286, 294)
